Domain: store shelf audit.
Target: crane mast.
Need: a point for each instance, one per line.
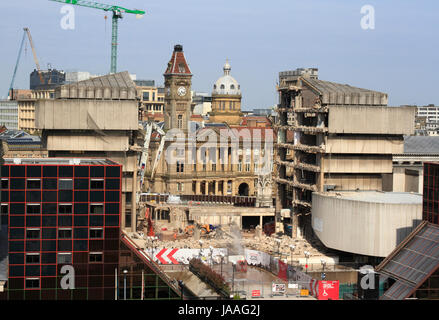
(117, 14)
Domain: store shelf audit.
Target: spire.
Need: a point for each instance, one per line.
(227, 68)
(178, 64)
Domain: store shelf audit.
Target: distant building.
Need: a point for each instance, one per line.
(51, 79)
(151, 100)
(226, 99)
(9, 114)
(431, 192)
(60, 212)
(22, 145)
(202, 102)
(332, 136)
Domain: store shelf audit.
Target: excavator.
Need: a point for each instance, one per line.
(204, 228)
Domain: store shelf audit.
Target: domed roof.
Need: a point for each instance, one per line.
(227, 84)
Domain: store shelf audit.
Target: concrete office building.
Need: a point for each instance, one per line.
(332, 136)
(96, 118)
(9, 114)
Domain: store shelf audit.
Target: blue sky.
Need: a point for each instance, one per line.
(261, 38)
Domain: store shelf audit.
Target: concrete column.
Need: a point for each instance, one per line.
(216, 187)
(133, 196)
(197, 187)
(260, 221)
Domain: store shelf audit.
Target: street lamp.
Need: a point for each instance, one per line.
(211, 256)
(278, 246)
(222, 259)
(292, 247)
(323, 265)
(233, 277)
(307, 254)
(125, 271)
(201, 246)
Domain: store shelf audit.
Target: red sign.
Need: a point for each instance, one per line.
(282, 270)
(328, 290)
(256, 293)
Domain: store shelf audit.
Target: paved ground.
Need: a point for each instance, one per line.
(256, 279)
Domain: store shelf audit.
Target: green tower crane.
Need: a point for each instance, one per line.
(117, 14)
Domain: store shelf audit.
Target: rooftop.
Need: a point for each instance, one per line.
(61, 161)
(421, 145)
(411, 263)
(377, 196)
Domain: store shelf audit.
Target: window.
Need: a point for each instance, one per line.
(33, 208)
(33, 183)
(213, 166)
(145, 96)
(32, 283)
(240, 165)
(64, 258)
(95, 257)
(32, 258)
(97, 208)
(96, 233)
(4, 208)
(97, 184)
(65, 233)
(65, 208)
(180, 186)
(180, 121)
(5, 183)
(232, 86)
(247, 167)
(222, 87)
(65, 184)
(180, 166)
(181, 68)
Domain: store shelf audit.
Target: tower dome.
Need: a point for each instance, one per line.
(227, 85)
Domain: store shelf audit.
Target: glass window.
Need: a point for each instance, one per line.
(33, 183)
(33, 208)
(65, 233)
(95, 257)
(65, 184)
(64, 258)
(32, 283)
(97, 184)
(96, 233)
(5, 183)
(97, 208)
(32, 233)
(32, 258)
(65, 208)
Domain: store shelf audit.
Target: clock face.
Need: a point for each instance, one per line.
(181, 91)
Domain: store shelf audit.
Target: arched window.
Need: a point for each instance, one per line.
(180, 122)
(214, 86)
(222, 87)
(232, 87)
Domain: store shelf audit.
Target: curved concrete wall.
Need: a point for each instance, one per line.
(362, 227)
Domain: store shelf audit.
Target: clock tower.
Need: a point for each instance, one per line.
(177, 92)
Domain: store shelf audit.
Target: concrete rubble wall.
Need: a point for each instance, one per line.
(86, 115)
(364, 144)
(371, 120)
(110, 142)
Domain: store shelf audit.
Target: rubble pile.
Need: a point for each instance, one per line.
(223, 238)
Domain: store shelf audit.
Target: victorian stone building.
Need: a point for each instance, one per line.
(220, 158)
